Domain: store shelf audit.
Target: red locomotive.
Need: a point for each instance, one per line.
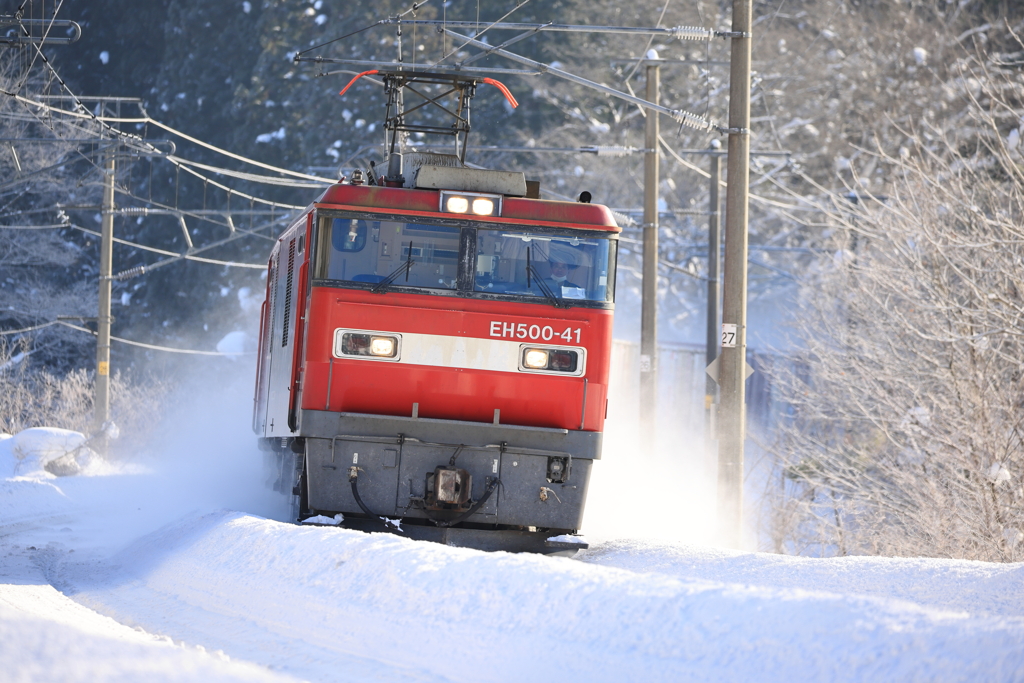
(435, 345)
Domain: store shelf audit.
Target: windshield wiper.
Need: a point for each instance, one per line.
(544, 289)
(406, 266)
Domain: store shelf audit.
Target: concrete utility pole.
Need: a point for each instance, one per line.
(732, 364)
(649, 305)
(714, 325)
(101, 404)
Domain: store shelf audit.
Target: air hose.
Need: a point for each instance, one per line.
(353, 477)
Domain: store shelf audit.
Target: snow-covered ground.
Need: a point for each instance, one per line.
(176, 570)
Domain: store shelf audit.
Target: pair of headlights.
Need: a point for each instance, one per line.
(477, 204)
(540, 359)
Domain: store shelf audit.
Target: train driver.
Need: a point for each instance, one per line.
(563, 261)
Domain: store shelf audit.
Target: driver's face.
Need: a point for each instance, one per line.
(559, 269)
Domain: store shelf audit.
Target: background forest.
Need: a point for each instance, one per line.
(885, 248)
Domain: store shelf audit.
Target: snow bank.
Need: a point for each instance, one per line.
(7, 459)
(395, 608)
(33, 449)
(26, 503)
(976, 588)
(75, 645)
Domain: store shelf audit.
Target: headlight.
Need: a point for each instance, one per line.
(365, 344)
(482, 206)
(536, 358)
(382, 346)
(552, 360)
(457, 205)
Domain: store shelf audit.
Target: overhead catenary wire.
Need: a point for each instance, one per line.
(202, 215)
(4, 333)
(33, 227)
(723, 183)
(106, 120)
(693, 33)
(189, 256)
(678, 115)
(38, 51)
(415, 6)
(88, 115)
(178, 162)
(677, 32)
(20, 180)
(252, 177)
(650, 40)
(156, 347)
(475, 26)
(231, 191)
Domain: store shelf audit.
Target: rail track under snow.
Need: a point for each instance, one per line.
(110, 578)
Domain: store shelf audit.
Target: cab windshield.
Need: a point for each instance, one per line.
(487, 261)
(539, 264)
(407, 254)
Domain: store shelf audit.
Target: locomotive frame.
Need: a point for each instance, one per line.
(421, 369)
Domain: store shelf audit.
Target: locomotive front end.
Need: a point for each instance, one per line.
(434, 356)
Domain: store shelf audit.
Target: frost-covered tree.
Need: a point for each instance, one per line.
(43, 263)
(906, 430)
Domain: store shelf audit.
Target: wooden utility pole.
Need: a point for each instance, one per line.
(732, 362)
(714, 324)
(649, 303)
(101, 403)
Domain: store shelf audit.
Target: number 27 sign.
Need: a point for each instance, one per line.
(728, 335)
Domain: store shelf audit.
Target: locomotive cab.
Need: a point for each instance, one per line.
(434, 356)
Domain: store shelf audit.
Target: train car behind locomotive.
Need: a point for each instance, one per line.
(434, 350)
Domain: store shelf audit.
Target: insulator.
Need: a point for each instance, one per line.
(130, 273)
(133, 211)
(692, 33)
(611, 151)
(692, 120)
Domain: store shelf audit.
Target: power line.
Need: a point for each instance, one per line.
(200, 214)
(415, 6)
(177, 161)
(33, 227)
(188, 256)
(129, 342)
(268, 180)
(4, 333)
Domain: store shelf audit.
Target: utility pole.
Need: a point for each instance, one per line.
(101, 404)
(732, 364)
(714, 326)
(649, 304)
